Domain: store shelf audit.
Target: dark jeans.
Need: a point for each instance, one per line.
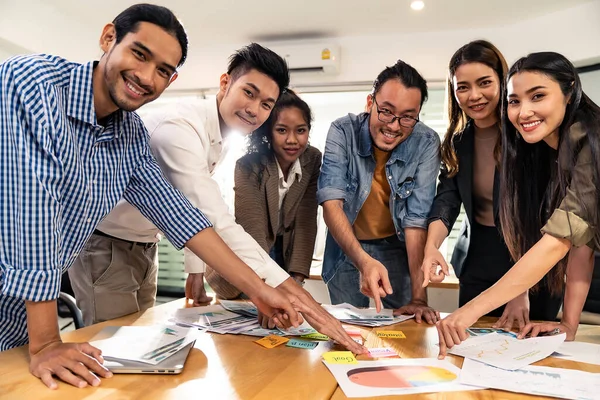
(488, 260)
(344, 287)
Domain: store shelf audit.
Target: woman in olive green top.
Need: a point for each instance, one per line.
(549, 184)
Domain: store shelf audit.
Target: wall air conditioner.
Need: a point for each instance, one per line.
(315, 58)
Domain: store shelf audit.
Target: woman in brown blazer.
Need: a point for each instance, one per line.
(275, 191)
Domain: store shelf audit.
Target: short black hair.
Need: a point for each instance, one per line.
(406, 74)
(266, 61)
(128, 22)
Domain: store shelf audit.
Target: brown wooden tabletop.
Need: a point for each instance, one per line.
(218, 367)
(233, 367)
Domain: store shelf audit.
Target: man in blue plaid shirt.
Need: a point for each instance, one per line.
(70, 148)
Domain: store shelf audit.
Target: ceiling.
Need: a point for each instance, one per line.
(232, 21)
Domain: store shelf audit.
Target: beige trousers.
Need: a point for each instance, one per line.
(113, 277)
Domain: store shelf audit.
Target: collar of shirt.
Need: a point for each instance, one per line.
(295, 173)
(211, 122)
(81, 103)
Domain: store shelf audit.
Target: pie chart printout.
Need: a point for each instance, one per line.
(400, 376)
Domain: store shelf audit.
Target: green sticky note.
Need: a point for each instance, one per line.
(316, 336)
(301, 344)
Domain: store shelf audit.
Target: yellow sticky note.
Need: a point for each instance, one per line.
(315, 336)
(271, 341)
(340, 357)
(391, 334)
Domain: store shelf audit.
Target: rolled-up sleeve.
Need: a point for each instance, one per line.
(333, 181)
(150, 192)
(419, 202)
(30, 225)
(570, 219)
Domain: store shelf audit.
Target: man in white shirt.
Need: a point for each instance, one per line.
(116, 272)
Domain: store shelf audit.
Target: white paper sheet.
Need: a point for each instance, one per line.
(348, 311)
(541, 381)
(147, 344)
(349, 314)
(302, 329)
(506, 352)
(240, 307)
(579, 351)
(214, 318)
(397, 377)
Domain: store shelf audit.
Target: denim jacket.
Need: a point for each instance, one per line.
(347, 174)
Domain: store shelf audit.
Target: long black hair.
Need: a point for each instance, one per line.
(478, 51)
(534, 180)
(260, 141)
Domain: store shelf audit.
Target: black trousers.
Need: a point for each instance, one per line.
(487, 261)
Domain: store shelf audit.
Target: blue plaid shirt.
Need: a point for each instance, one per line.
(61, 173)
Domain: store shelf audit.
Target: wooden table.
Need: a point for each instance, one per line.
(232, 367)
(421, 342)
(219, 367)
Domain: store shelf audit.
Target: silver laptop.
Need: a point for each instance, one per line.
(171, 365)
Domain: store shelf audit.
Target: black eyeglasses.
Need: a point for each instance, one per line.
(387, 117)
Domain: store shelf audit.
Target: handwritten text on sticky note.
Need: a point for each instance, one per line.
(271, 341)
(381, 352)
(391, 334)
(302, 344)
(315, 336)
(340, 357)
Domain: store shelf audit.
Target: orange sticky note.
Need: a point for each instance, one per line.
(391, 334)
(340, 357)
(271, 341)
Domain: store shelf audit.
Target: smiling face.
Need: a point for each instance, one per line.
(536, 107)
(477, 91)
(245, 103)
(392, 98)
(289, 136)
(136, 70)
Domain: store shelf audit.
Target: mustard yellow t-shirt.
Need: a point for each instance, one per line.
(374, 221)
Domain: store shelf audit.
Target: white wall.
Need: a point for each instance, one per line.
(575, 32)
(590, 81)
(39, 27)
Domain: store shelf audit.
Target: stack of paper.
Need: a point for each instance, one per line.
(240, 320)
(214, 318)
(147, 344)
(507, 352)
(540, 381)
(364, 316)
(240, 307)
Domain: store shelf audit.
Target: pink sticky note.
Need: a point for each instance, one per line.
(381, 352)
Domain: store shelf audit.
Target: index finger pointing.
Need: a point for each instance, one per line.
(443, 348)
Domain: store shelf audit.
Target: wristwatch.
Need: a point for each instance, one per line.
(299, 281)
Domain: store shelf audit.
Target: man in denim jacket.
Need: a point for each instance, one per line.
(376, 187)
